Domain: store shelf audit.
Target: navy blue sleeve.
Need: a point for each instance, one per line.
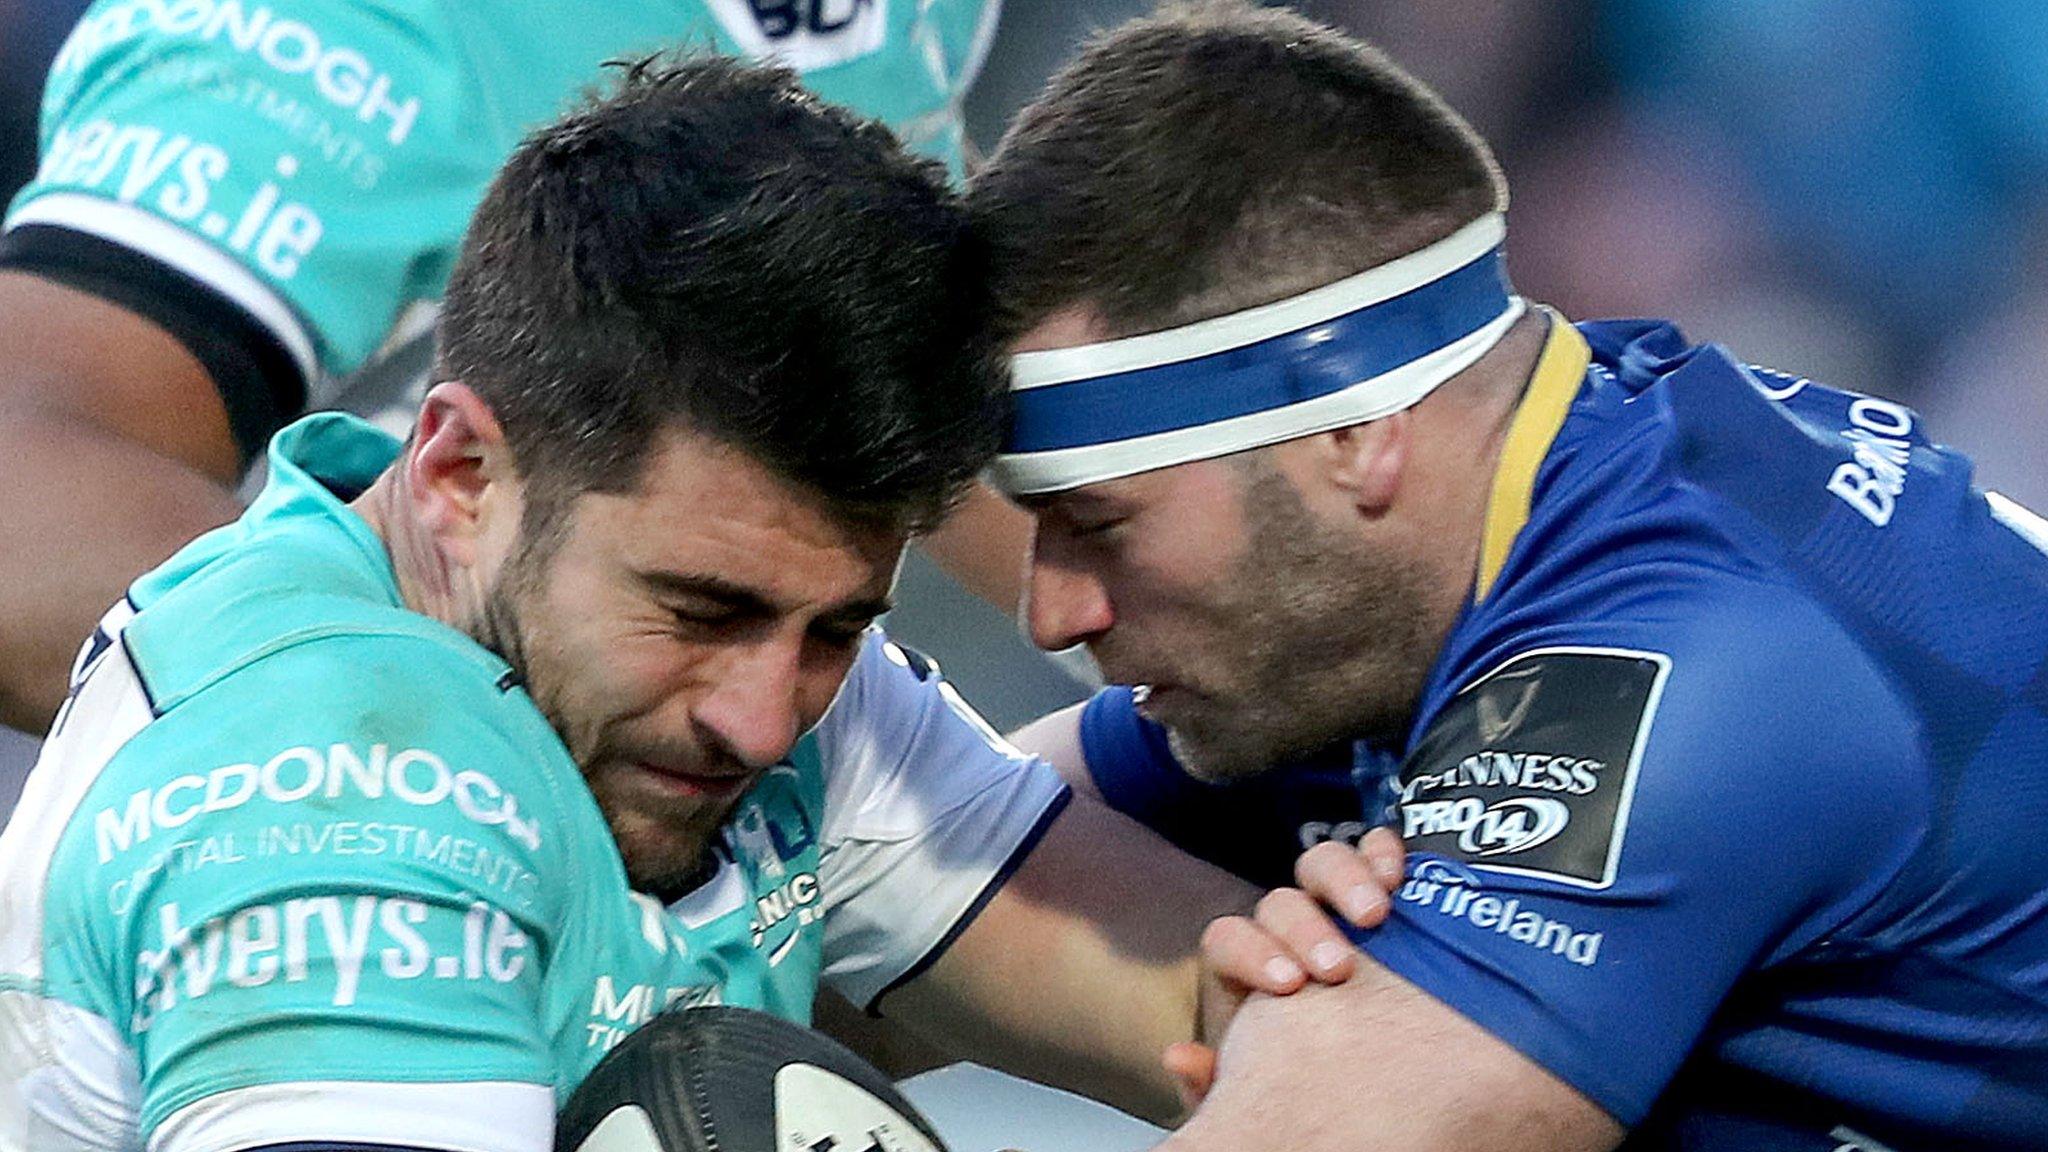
(1610, 825)
(1130, 760)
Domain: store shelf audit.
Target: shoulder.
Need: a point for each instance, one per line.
(896, 720)
(350, 750)
(288, 599)
(1676, 639)
(1674, 727)
(390, 680)
(352, 648)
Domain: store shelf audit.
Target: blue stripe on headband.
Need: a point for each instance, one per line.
(1272, 373)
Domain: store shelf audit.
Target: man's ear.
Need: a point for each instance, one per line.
(1365, 462)
(459, 472)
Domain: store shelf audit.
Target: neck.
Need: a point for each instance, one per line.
(427, 583)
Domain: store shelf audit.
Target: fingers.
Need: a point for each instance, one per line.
(1244, 955)
(1193, 1068)
(1385, 855)
(1234, 952)
(1292, 921)
(1290, 938)
(1345, 880)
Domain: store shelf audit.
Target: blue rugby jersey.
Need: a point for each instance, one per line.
(1724, 794)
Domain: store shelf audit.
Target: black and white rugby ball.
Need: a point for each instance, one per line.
(736, 1080)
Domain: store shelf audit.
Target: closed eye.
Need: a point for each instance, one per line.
(702, 619)
(1094, 529)
(839, 636)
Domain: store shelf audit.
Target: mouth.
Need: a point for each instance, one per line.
(702, 785)
(1148, 697)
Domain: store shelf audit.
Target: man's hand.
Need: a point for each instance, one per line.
(1288, 940)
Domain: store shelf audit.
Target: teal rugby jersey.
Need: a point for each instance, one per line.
(296, 860)
(316, 161)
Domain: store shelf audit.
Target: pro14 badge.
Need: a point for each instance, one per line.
(1530, 769)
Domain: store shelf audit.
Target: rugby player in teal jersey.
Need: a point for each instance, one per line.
(398, 791)
(379, 814)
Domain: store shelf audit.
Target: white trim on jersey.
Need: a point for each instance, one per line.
(925, 807)
(161, 240)
(67, 1077)
(468, 1116)
(65, 771)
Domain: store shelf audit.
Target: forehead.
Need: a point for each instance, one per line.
(1195, 487)
(705, 507)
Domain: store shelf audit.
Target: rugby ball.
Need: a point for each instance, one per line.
(720, 1079)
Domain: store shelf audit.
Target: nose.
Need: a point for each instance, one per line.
(1066, 604)
(754, 706)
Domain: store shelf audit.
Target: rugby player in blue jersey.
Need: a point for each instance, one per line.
(377, 817)
(1712, 702)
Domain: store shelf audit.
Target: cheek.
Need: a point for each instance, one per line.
(599, 634)
(1180, 559)
(639, 672)
(599, 670)
(1165, 596)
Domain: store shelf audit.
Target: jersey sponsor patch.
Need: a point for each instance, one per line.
(1529, 770)
(805, 34)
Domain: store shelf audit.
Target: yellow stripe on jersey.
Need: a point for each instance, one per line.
(1556, 380)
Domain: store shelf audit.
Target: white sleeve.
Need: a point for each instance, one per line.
(927, 812)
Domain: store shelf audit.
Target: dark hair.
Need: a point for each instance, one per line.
(709, 247)
(1209, 159)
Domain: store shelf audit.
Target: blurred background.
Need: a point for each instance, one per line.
(1854, 190)
(1847, 189)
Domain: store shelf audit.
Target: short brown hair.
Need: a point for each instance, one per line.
(708, 246)
(1216, 157)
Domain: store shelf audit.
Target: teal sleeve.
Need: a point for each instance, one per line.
(351, 860)
(315, 163)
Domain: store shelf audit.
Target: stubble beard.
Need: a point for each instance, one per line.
(1324, 641)
(665, 852)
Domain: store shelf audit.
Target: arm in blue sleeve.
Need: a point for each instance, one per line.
(1610, 830)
